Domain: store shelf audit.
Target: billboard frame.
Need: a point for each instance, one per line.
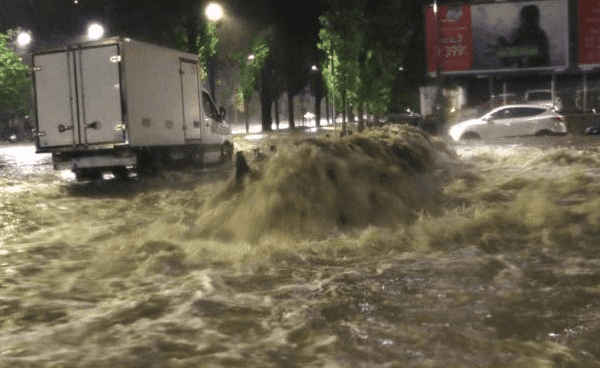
(558, 44)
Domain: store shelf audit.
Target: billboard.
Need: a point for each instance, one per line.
(498, 37)
(589, 33)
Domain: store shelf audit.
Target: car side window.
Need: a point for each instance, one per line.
(533, 111)
(501, 114)
(521, 112)
(528, 111)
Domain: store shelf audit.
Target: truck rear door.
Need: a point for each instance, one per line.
(56, 108)
(78, 97)
(191, 100)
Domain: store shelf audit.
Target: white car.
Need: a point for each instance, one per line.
(510, 121)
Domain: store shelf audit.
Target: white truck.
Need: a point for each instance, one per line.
(120, 104)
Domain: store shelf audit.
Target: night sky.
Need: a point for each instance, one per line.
(52, 19)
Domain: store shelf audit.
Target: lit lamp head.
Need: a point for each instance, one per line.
(23, 39)
(95, 31)
(214, 12)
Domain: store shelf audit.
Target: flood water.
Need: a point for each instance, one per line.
(383, 249)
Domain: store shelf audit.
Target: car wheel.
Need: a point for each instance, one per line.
(470, 135)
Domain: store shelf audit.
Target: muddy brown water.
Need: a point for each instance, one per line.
(383, 249)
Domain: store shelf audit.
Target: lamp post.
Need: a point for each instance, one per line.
(439, 113)
(214, 13)
(19, 41)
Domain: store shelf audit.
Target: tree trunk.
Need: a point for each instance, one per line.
(361, 120)
(318, 98)
(265, 109)
(327, 108)
(277, 113)
(344, 113)
(291, 110)
(247, 115)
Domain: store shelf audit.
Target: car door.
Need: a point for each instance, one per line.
(498, 123)
(523, 121)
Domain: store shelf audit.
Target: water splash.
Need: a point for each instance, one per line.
(316, 187)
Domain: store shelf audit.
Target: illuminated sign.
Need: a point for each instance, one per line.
(498, 37)
(450, 42)
(589, 32)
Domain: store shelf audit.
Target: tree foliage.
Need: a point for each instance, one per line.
(342, 45)
(250, 61)
(207, 45)
(15, 84)
(365, 43)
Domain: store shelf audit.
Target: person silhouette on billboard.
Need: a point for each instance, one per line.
(527, 45)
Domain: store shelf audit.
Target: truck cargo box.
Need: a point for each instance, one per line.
(117, 103)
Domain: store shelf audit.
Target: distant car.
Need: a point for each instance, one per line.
(13, 138)
(408, 117)
(543, 97)
(510, 121)
(499, 100)
(593, 130)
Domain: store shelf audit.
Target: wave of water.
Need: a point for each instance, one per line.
(380, 249)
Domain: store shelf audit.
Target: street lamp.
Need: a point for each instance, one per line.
(23, 39)
(214, 12)
(95, 31)
(20, 38)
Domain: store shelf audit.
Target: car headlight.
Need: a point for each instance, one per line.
(455, 132)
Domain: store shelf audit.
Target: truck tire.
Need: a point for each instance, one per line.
(226, 152)
(120, 173)
(149, 163)
(82, 175)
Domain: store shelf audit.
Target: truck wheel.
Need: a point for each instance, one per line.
(120, 173)
(226, 152)
(149, 164)
(88, 175)
(197, 156)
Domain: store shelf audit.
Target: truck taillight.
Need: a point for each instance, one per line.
(559, 118)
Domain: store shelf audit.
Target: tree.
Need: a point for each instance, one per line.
(207, 45)
(342, 44)
(318, 88)
(15, 84)
(294, 72)
(365, 43)
(250, 62)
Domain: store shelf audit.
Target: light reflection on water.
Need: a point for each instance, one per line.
(21, 159)
(491, 259)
